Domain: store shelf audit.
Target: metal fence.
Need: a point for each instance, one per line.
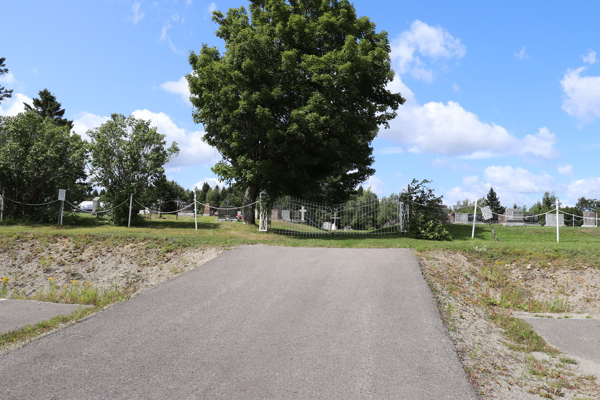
(302, 218)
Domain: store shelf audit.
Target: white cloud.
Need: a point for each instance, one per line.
(588, 187)
(455, 87)
(457, 194)
(518, 180)
(522, 55)
(7, 78)
(212, 182)
(511, 184)
(35, 71)
(84, 121)
(209, 10)
(582, 95)
(15, 105)
(138, 14)
(164, 37)
(434, 43)
(590, 58)
(391, 150)
(192, 149)
(375, 184)
(179, 87)
(470, 180)
(451, 130)
(566, 169)
(188, 3)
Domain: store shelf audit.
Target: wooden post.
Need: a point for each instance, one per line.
(474, 219)
(2, 206)
(130, 204)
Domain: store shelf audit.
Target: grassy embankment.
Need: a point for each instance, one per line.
(518, 245)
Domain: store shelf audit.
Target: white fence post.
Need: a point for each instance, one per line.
(474, 219)
(130, 204)
(557, 228)
(2, 206)
(195, 207)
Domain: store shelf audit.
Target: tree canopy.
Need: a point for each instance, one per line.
(37, 158)
(296, 99)
(128, 157)
(4, 93)
(47, 107)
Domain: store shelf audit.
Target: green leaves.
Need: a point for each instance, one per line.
(296, 99)
(38, 157)
(128, 157)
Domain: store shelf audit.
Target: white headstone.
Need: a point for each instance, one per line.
(514, 215)
(302, 212)
(285, 215)
(589, 219)
(327, 225)
(462, 218)
(551, 219)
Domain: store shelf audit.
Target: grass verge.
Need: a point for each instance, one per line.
(32, 331)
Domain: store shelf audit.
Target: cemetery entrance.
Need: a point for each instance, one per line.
(301, 218)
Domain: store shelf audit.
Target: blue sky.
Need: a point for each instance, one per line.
(502, 94)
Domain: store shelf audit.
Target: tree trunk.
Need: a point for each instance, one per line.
(249, 198)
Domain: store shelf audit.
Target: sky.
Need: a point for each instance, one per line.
(498, 94)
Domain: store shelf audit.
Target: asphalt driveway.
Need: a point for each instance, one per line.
(257, 322)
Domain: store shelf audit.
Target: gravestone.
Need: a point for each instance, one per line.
(461, 218)
(302, 214)
(285, 215)
(206, 210)
(589, 219)
(327, 225)
(275, 214)
(514, 217)
(95, 205)
(551, 219)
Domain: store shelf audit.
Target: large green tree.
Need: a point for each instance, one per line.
(47, 107)
(296, 99)
(37, 158)
(128, 158)
(4, 93)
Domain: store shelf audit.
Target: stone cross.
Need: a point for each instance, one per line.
(302, 212)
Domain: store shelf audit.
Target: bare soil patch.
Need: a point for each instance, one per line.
(29, 263)
(470, 294)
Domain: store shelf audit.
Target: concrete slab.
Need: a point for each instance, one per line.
(257, 322)
(577, 337)
(15, 314)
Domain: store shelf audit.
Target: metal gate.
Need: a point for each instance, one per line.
(301, 218)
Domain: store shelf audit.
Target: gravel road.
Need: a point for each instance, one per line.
(257, 322)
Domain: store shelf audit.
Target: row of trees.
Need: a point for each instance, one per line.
(39, 154)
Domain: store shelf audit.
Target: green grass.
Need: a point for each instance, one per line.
(522, 334)
(31, 331)
(210, 233)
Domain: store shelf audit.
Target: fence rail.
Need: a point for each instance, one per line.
(295, 217)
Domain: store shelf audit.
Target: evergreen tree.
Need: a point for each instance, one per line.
(47, 107)
(494, 202)
(4, 94)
